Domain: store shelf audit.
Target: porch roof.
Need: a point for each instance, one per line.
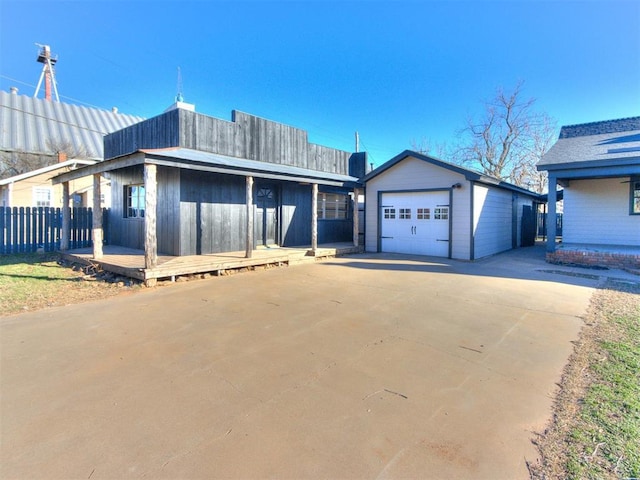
(178, 157)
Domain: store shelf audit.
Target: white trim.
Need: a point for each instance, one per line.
(50, 168)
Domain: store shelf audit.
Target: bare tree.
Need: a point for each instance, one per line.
(68, 148)
(18, 162)
(542, 137)
(508, 140)
(426, 146)
(15, 163)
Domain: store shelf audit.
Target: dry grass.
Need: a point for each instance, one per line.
(595, 431)
(34, 281)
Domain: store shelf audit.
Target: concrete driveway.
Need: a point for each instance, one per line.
(368, 366)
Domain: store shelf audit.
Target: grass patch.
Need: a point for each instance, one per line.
(34, 281)
(596, 428)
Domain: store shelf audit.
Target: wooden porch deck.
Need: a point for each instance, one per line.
(130, 262)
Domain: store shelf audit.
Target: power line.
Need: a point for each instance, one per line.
(56, 120)
(62, 96)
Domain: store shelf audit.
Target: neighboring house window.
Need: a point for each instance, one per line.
(332, 206)
(635, 196)
(134, 201)
(42, 196)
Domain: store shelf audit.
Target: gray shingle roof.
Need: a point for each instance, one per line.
(600, 128)
(609, 142)
(30, 125)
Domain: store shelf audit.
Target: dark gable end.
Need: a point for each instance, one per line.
(245, 137)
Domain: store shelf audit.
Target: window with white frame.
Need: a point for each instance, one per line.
(635, 196)
(42, 196)
(389, 213)
(333, 206)
(134, 201)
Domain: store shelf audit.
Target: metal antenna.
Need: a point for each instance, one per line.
(179, 96)
(48, 73)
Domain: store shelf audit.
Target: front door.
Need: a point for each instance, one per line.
(266, 220)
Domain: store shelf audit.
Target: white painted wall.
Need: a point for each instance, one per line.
(492, 220)
(411, 174)
(597, 212)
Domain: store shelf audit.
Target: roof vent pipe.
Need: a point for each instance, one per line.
(13, 90)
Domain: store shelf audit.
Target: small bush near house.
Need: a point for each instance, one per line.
(34, 281)
(596, 429)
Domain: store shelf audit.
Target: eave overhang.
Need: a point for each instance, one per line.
(210, 162)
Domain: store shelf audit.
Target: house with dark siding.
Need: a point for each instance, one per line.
(184, 183)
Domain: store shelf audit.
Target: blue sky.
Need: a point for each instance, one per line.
(394, 71)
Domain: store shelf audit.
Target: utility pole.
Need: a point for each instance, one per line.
(357, 142)
(48, 73)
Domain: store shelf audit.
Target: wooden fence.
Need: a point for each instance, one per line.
(26, 229)
(542, 224)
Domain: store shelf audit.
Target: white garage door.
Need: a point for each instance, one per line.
(416, 223)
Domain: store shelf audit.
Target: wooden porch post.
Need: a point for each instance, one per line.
(249, 250)
(150, 202)
(97, 218)
(356, 218)
(66, 218)
(314, 218)
(551, 215)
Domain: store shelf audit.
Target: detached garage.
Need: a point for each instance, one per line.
(419, 205)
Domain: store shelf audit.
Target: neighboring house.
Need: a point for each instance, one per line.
(417, 204)
(34, 188)
(36, 132)
(184, 183)
(598, 166)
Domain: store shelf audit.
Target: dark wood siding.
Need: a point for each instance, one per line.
(126, 232)
(168, 211)
(330, 231)
(212, 213)
(295, 215)
(157, 132)
(296, 219)
(247, 136)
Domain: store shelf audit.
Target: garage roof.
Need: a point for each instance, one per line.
(470, 175)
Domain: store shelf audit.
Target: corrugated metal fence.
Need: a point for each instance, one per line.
(26, 229)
